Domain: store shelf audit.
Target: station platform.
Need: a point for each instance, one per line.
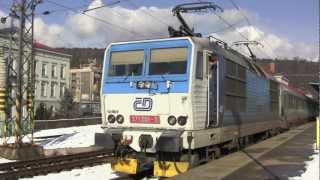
(279, 157)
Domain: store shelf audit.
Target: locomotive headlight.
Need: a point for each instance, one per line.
(147, 84)
(140, 84)
(120, 119)
(144, 84)
(182, 120)
(111, 118)
(172, 120)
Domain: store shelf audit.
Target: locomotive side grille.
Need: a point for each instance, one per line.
(199, 104)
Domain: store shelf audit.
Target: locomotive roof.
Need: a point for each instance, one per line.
(228, 53)
(205, 43)
(231, 55)
(238, 58)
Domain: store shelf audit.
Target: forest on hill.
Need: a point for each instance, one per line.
(300, 72)
(83, 55)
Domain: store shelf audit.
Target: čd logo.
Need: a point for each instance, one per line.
(142, 104)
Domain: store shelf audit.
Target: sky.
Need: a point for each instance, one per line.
(286, 28)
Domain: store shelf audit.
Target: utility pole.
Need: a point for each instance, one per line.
(20, 74)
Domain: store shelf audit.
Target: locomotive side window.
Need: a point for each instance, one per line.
(128, 63)
(199, 68)
(242, 72)
(231, 68)
(168, 61)
(235, 87)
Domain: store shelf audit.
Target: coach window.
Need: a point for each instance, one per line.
(274, 95)
(285, 100)
(199, 68)
(126, 63)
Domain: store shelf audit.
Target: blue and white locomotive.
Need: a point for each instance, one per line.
(171, 103)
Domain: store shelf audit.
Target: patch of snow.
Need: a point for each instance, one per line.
(312, 167)
(101, 172)
(82, 136)
(3, 160)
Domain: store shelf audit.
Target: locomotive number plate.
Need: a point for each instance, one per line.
(144, 119)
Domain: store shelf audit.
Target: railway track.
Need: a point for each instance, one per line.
(42, 166)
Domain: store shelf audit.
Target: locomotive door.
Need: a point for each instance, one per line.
(212, 65)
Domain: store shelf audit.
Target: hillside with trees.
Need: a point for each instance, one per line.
(300, 72)
(83, 55)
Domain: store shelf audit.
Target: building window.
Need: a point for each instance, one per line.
(36, 66)
(62, 89)
(37, 87)
(62, 72)
(43, 89)
(44, 70)
(73, 76)
(54, 70)
(53, 89)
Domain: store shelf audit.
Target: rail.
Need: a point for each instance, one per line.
(29, 168)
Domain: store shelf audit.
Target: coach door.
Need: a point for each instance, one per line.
(212, 77)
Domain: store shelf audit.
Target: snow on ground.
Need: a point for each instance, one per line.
(312, 168)
(82, 136)
(3, 160)
(101, 172)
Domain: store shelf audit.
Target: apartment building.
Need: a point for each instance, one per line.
(51, 75)
(51, 71)
(85, 87)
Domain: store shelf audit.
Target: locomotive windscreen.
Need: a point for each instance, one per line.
(168, 61)
(126, 63)
(161, 62)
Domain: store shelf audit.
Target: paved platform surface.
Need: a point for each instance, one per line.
(279, 157)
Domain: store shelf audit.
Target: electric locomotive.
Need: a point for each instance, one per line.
(169, 104)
